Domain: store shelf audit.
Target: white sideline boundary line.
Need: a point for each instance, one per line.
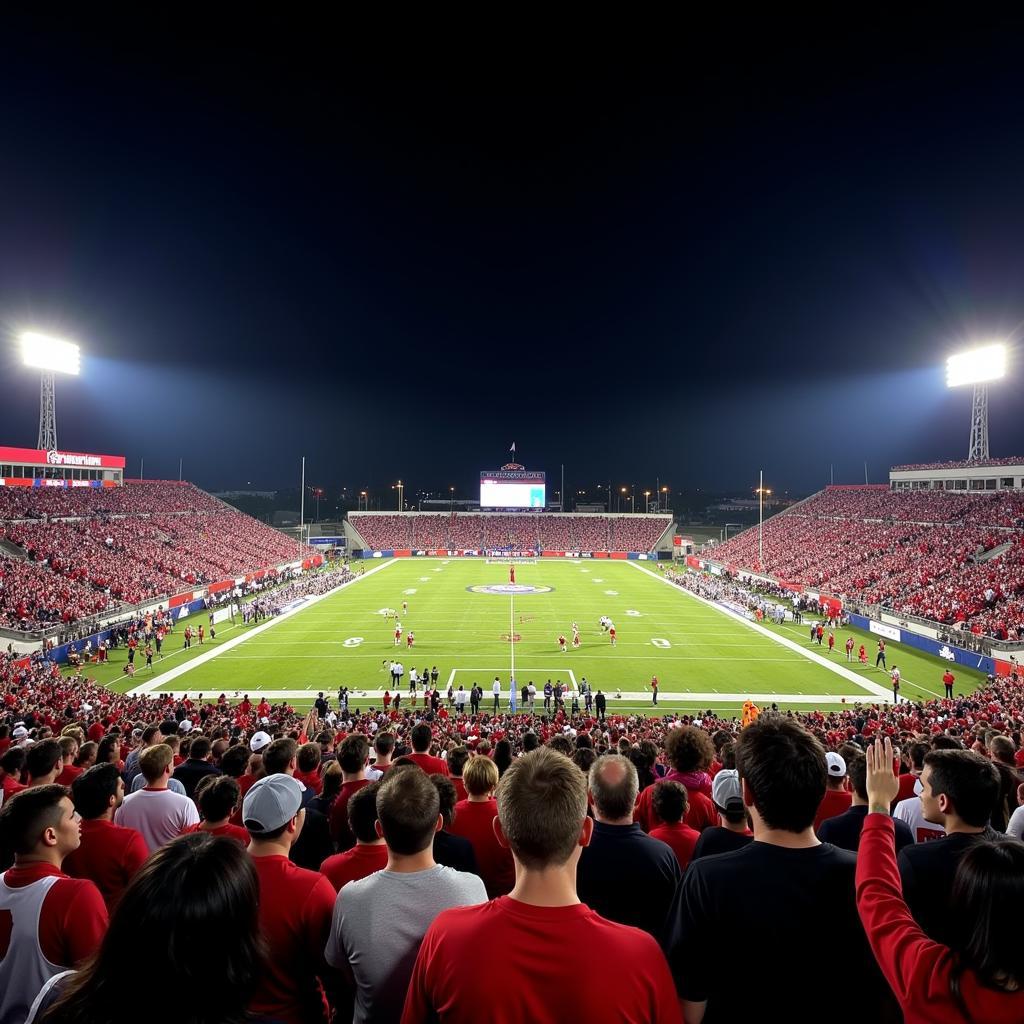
(160, 681)
(873, 688)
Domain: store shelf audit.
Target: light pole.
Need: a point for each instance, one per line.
(400, 487)
(451, 503)
(977, 367)
(647, 502)
(632, 498)
(49, 356)
(663, 501)
(761, 492)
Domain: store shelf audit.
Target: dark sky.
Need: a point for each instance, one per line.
(688, 256)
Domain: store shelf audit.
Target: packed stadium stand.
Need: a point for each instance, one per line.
(477, 531)
(957, 559)
(73, 553)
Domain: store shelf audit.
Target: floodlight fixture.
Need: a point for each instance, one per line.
(977, 366)
(51, 355)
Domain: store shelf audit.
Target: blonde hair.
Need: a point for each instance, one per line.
(480, 776)
(154, 761)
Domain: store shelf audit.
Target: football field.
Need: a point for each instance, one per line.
(472, 625)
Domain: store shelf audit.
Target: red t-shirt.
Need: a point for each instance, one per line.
(460, 787)
(72, 921)
(906, 790)
(296, 906)
(362, 860)
(340, 832)
(10, 785)
(245, 783)
(835, 801)
(680, 837)
(431, 765)
(68, 775)
(109, 855)
(475, 822)
(227, 829)
(700, 814)
(535, 978)
(97, 731)
(311, 780)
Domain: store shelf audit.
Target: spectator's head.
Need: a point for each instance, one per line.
(332, 779)
(502, 755)
(217, 797)
(200, 749)
(308, 758)
(43, 762)
(727, 796)
(68, 749)
(13, 762)
(98, 792)
(857, 770)
(1002, 750)
(689, 749)
(984, 906)
(918, 751)
(279, 757)
(958, 785)
(670, 802)
(614, 787)
(583, 758)
(420, 737)
(272, 810)
(480, 777)
(542, 810)
(408, 811)
(353, 753)
(561, 744)
(41, 824)
(194, 893)
(86, 755)
(457, 758)
(109, 749)
(531, 741)
(362, 813)
(156, 762)
(235, 761)
(835, 765)
(782, 768)
(384, 745)
(448, 797)
(150, 735)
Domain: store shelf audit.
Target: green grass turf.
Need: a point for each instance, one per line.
(344, 640)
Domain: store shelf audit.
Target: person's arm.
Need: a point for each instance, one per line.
(906, 956)
(693, 1013)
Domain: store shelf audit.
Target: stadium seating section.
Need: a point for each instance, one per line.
(478, 531)
(957, 559)
(89, 550)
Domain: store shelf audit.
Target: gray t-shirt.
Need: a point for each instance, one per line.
(379, 923)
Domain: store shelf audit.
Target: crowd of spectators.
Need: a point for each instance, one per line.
(352, 860)
(1013, 460)
(920, 553)
(88, 550)
(475, 531)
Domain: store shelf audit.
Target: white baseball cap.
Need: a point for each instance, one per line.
(259, 741)
(836, 765)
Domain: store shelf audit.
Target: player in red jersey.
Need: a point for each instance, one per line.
(849, 648)
(410, 640)
(561, 643)
(831, 641)
(611, 634)
(511, 574)
(398, 633)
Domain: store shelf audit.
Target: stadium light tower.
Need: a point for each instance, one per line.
(979, 366)
(49, 356)
(761, 492)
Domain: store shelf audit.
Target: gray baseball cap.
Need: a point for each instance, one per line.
(271, 803)
(726, 790)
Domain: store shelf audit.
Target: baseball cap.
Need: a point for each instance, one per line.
(186, 725)
(259, 741)
(835, 764)
(271, 803)
(726, 789)
(20, 732)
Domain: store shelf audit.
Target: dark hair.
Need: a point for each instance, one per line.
(857, 771)
(670, 801)
(309, 757)
(195, 892)
(105, 750)
(583, 758)
(420, 737)
(970, 781)
(353, 752)
(644, 765)
(92, 790)
(278, 755)
(784, 766)
(531, 741)
(86, 752)
(13, 761)
(457, 758)
(447, 795)
(727, 755)
(502, 756)
(985, 906)
(689, 749)
(217, 796)
(235, 760)
(199, 748)
(43, 757)
(384, 742)
(561, 744)
(26, 815)
(149, 733)
(407, 808)
(918, 752)
(941, 742)
(362, 812)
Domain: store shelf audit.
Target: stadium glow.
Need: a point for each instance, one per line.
(51, 355)
(976, 366)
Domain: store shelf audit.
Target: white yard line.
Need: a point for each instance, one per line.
(873, 688)
(160, 681)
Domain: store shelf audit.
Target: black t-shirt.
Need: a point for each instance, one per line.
(844, 829)
(927, 871)
(748, 921)
(717, 840)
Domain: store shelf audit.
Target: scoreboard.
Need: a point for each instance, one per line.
(512, 489)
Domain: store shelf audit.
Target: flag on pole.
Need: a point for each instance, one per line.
(513, 448)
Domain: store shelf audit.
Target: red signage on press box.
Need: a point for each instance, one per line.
(71, 460)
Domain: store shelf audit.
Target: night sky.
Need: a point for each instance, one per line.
(290, 239)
